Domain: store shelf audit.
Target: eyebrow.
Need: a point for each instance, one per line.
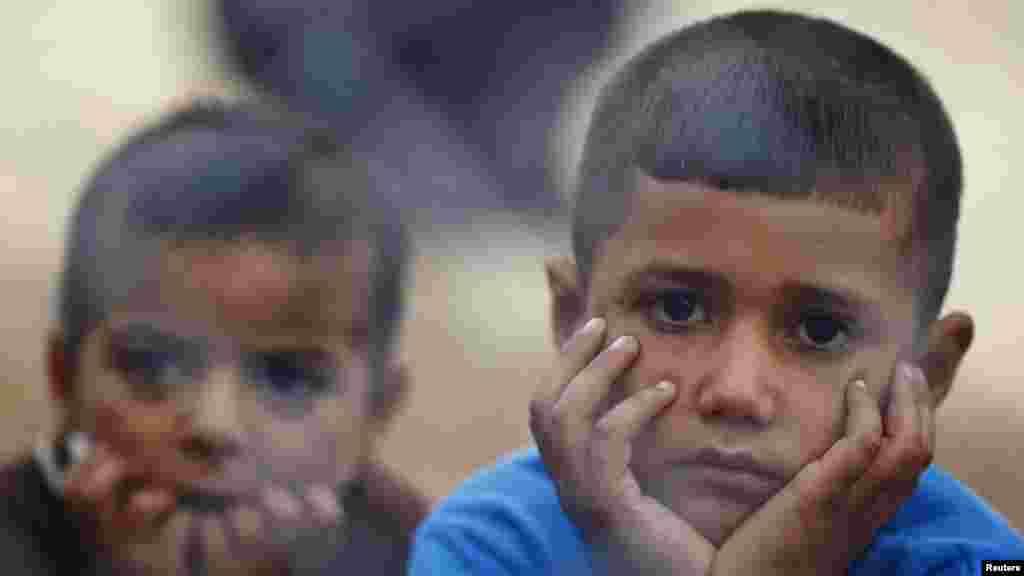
(660, 272)
(145, 334)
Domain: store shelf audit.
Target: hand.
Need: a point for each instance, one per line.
(587, 454)
(129, 485)
(829, 513)
(123, 486)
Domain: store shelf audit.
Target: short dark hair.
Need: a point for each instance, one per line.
(223, 171)
(779, 104)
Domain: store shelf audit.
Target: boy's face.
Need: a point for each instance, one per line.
(261, 356)
(760, 311)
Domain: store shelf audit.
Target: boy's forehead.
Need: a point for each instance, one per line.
(254, 290)
(752, 239)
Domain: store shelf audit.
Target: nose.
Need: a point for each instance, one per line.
(740, 386)
(216, 433)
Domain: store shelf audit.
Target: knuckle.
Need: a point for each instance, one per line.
(538, 412)
(915, 452)
(806, 490)
(920, 452)
(559, 414)
(808, 501)
(869, 444)
(604, 430)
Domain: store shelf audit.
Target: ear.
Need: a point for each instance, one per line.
(567, 299)
(390, 395)
(58, 368)
(948, 341)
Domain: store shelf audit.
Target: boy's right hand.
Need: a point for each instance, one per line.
(118, 507)
(587, 454)
(126, 484)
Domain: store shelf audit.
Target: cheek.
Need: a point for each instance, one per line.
(681, 360)
(815, 407)
(326, 443)
(95, 384)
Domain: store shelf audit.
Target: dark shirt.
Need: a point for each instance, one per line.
(40, 536)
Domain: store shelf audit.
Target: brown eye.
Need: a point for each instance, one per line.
(822, 331)
(291, 374)
(152, 363)
(677, 309)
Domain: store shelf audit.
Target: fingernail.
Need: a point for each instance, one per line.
(102, 477)
(859, 383)
(324, 503)
(911, 372)
(592, 326)
(281, 503)
(248, 522)
(79, 447)
(149, 502)
(624, 343)
(666, 386)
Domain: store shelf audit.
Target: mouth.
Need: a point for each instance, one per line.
(209, 499)
(736, 462)
(207, 502)
(737, 473)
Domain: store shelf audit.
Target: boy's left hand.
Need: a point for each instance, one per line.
(828, 514)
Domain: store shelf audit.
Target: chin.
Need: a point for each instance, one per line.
(714, 515)
(714, 519)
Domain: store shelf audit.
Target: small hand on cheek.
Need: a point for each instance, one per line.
(828, 514)
(131, 481)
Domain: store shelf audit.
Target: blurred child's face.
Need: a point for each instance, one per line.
(260, 355)
(760, 311)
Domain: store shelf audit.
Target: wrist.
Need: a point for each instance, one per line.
(638, 542)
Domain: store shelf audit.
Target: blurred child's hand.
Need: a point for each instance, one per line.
(121, 509)
(829, 513)
(587, 454)
(127, 482)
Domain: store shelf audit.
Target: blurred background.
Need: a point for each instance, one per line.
(486, 106)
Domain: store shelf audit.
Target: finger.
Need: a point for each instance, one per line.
(848, 459)
(323, 503)
(926, 406)
(907, 451)
(630, 416)
(79, 475)
(151, 503)
(590, 387)
(79, 447)
(143, 515)
(576, 354)
(281, 504)
(901, 418)
(928, 420)
(98, 483)
(248, 523)
(244, 531)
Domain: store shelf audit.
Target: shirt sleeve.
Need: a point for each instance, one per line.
(481, 536)
(460, 549)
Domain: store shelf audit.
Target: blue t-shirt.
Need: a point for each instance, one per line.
(506, 520)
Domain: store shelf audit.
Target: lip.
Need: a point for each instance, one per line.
(735, 473)
(736, 461)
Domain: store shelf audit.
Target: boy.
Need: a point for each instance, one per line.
(225, 357)
(763, 237)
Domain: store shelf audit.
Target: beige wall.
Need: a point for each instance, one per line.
(79, 76)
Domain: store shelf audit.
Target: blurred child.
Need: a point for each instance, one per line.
(224, 360)
(752, 350)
